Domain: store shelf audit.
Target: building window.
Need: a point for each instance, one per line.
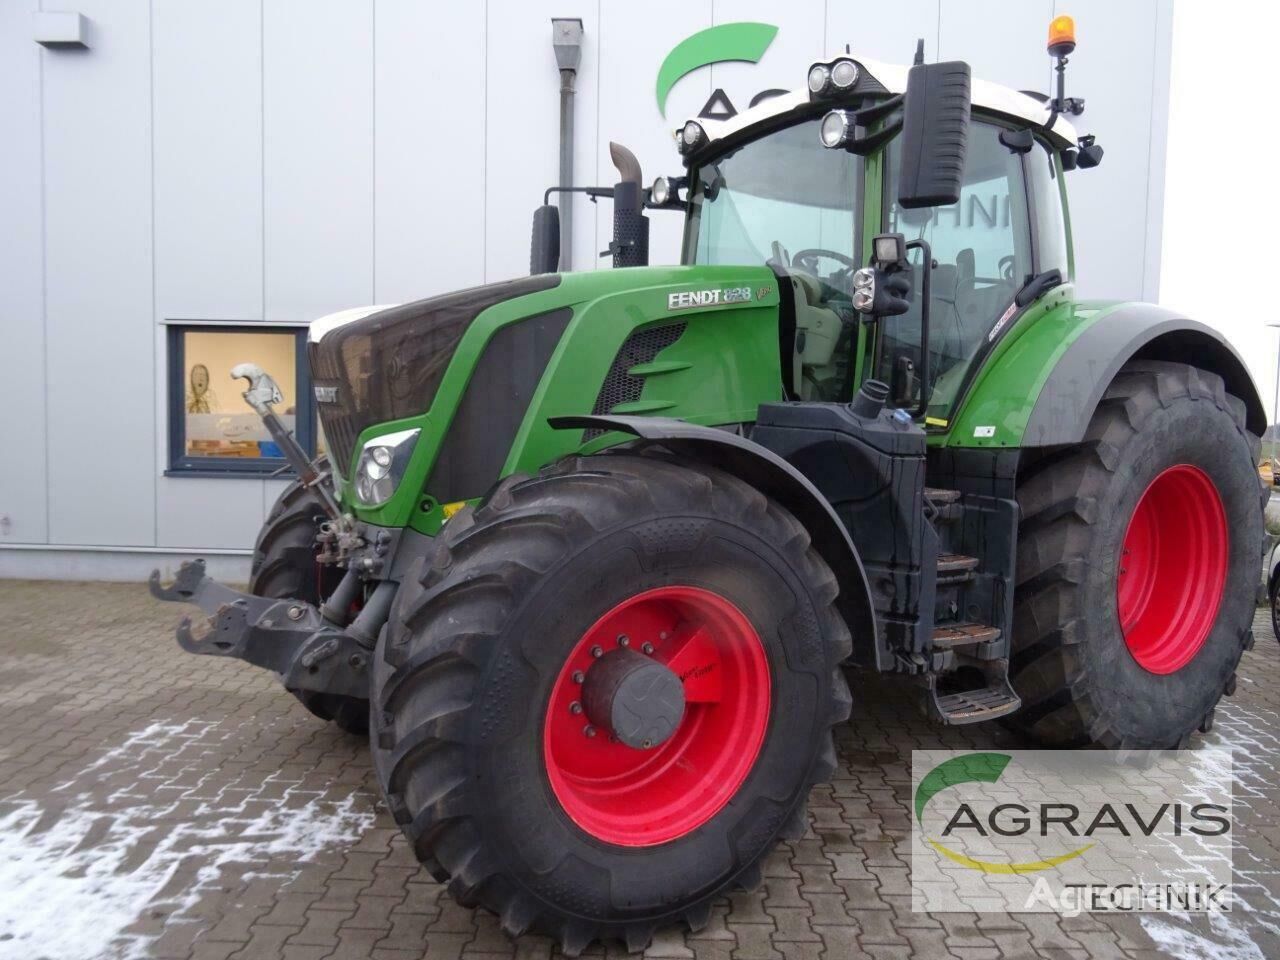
(212, 431)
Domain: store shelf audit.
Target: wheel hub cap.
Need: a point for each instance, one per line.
(638, 700)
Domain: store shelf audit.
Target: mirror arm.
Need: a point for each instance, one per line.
(591, 192)
(875, 141)
(869, 115)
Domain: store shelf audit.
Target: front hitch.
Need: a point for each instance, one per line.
(288, 637)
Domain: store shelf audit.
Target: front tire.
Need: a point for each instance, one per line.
(1137, 555)
(284, 567)
(480, 743)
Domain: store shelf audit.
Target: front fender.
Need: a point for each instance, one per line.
(780, 481)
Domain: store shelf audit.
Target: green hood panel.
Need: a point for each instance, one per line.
(718, 367)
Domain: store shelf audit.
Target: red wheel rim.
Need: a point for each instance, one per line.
(1173, 569)
(634, 797)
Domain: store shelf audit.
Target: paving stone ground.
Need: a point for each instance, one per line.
(157, 805)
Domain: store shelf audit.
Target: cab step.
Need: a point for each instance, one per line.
(939, 496)
(974, 706)
(942, 506)
(953, 635)
(955, 568)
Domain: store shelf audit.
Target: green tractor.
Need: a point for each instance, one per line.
(591, 550)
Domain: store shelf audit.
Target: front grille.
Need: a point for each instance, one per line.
(338, 425)
(619, 385)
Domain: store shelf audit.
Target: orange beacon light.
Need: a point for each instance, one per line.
(1062, 36)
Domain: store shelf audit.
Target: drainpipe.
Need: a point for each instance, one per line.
(566, 40)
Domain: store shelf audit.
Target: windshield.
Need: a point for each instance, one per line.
(786, 201)
(783, 194)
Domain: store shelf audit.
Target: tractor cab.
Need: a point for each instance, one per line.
(804, 183)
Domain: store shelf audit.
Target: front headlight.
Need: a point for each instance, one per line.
(864, 290)
(382, 464)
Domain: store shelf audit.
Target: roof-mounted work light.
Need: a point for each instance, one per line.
(690, 137)
(832, 79)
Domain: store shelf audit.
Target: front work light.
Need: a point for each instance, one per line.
(692, 136)
(829, 79)
(819, 77)
(844, 74)
(836, 129)
(381, 467)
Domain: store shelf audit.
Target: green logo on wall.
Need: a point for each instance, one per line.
(729, 41)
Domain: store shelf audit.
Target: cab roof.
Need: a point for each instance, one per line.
(986, 96)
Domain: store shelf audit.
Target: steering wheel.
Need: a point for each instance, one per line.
(1007, 265)
(807, 259)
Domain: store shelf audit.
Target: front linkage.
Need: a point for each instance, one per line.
(321, 649)
(288, 637)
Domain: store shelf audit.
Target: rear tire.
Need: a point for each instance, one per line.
(470, 696)
(1155, 520)
(284, 567)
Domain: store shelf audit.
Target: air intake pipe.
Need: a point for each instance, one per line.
(630, 244)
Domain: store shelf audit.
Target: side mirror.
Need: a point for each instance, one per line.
(544, 248)
(935, 134)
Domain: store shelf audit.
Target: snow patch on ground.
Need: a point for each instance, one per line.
(1230, 941)
(82, 873)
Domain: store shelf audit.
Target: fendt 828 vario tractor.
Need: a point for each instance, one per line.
(591, 550)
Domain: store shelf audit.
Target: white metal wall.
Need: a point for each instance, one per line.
(274, 160)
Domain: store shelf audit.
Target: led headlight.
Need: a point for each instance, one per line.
(864, 290)
(381, 467)
(692, 136)
(835, 128)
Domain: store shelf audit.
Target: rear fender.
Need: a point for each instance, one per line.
(778, 480)
(1042, 384)
(1133, 331)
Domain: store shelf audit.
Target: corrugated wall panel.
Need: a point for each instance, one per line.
(318, 162)
(429, 174)
(1114, 69)
(522, 122)
(23, 516)
(209, 228)
(98, 202)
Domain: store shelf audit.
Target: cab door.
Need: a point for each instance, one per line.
(982, 252)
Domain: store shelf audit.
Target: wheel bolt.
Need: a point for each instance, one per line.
(588, 731)
(624, 640)
(646, 744)
(648, 649)
(577, 676)
(575, 707)
(662, 635)
(597, 651)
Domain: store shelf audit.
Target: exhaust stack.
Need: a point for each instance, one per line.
(630, 244)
